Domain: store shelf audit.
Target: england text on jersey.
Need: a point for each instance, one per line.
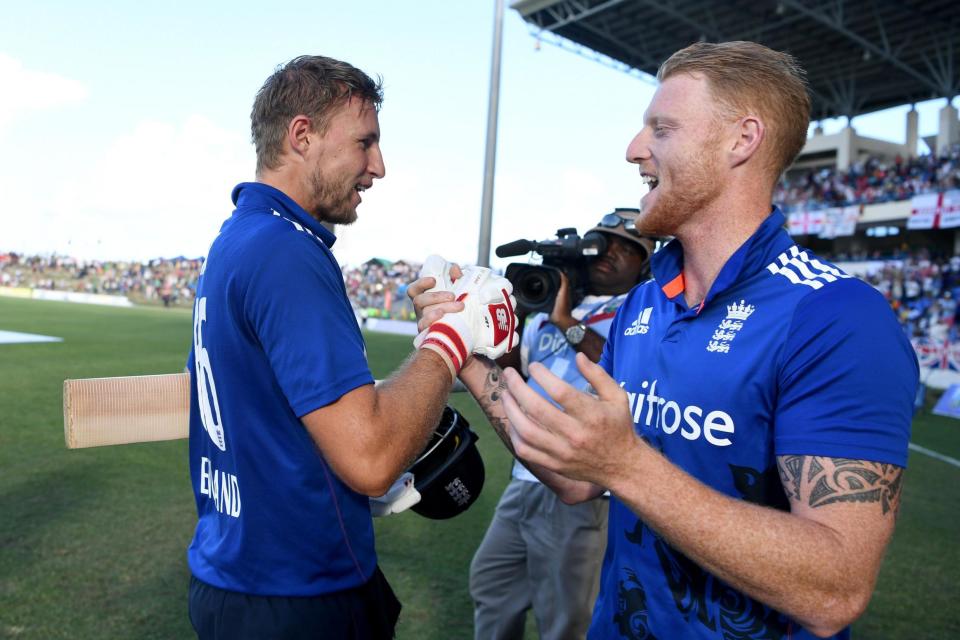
(221, 487)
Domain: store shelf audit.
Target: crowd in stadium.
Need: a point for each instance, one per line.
(922, 290)
(166, 281)
(924, 293)
(377, 288)
(870, 181)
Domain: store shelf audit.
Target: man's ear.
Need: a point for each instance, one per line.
(300, 134)
(750, 132)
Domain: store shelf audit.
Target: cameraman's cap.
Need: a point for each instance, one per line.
(621, 223)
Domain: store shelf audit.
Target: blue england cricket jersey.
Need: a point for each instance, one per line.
(274, 338)
(785, 355)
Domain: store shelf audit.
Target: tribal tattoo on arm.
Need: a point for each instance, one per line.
(819, 480)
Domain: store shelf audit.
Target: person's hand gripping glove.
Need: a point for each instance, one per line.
(487, 325)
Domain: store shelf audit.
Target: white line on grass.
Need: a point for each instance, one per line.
(934, 454)
(13, 337)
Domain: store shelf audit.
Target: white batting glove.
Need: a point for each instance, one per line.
(439, 269)
(494, 317)
(487, 325)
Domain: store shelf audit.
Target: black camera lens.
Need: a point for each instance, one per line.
(535, 287)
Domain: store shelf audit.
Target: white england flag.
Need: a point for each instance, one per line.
(950, 209)
(923, 211)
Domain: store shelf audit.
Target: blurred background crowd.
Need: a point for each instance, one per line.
(870, 181)
(376, 288)
(922, 289)
(162, 281)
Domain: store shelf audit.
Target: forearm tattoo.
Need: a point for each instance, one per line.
(819, 480)
(489, 400)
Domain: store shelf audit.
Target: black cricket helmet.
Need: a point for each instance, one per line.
(449, 473)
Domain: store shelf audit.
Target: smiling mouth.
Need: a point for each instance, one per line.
(650, 180)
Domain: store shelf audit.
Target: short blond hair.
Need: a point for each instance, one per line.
(746, 77)
(315, 86)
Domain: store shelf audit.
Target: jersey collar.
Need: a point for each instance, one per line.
(256, 195)
(768, 241)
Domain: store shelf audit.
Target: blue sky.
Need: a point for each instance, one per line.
(124, 126)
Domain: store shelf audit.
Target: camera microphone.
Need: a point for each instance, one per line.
(515, 248)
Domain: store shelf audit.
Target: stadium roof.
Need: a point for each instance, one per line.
(860, 55)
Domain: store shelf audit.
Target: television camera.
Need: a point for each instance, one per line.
(535, 286)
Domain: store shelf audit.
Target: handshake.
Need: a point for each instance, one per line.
(486, 326)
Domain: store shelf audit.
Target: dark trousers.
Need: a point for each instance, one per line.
(367, 612)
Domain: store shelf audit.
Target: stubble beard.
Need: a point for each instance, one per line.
(329, 205)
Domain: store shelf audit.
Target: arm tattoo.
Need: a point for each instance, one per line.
(830, 480)
(791, 469)
(489, 400)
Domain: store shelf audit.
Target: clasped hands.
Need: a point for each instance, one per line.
(589, 439)
(484, 321)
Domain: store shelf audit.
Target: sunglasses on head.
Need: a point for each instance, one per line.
(614, 220)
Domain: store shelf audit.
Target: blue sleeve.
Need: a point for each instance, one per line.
(528, 340)
(298, 307)
(847, 378)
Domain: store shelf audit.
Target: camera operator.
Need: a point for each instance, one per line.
(537, 551)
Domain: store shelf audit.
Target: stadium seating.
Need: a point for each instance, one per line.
(870, 181)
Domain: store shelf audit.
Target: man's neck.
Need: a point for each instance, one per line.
(288, 184)
(710, 240)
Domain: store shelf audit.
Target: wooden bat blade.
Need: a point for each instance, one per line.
(123, 410)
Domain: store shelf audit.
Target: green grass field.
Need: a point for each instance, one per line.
(92, 542)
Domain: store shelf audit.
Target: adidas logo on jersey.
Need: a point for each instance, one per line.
(641, 325)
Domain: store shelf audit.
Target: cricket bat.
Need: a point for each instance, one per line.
(123, 410)
(104, 411)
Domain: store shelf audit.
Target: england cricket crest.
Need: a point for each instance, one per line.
(737, 314)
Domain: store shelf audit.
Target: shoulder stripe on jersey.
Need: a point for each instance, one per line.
(299, 227)
(799, 268)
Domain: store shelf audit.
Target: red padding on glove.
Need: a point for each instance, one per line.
(457, 364)
(513, 318)
(454, 337)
